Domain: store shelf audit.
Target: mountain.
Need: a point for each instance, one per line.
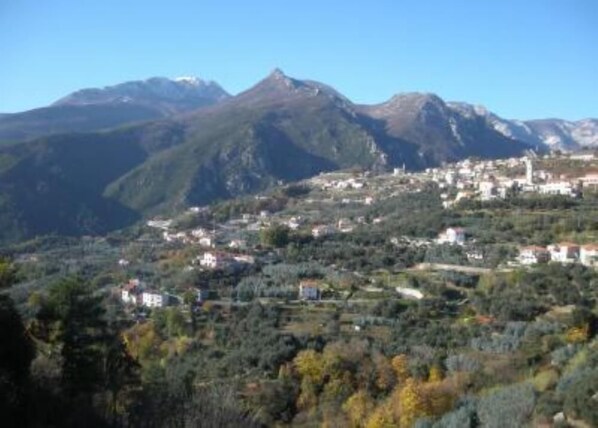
(556, 134)
(282, 129)
(164, 95)
(104, 108)
(566, 135)
(441, 133)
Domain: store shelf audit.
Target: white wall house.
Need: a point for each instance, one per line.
(557, 188)
(588, 255)
(130, 292)
(564, 252)
(532, 255)
(153, 299)
(128, 296)
(206, 241)
(488, 190)
(215, 260)
(452, 235)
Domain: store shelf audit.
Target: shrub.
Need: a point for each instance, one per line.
(507, 407)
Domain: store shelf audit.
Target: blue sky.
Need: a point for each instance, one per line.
(520, 58)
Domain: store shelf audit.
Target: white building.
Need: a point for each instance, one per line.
(239, 244)
(345, 225)
(452, 235)
(589, 180)
(488, 190)
(450, 178)
(130, 293)
(206, 241)
(215, 260)
(153, 299)
(410, 292)
(529, 171)
(199, 233)
(564, 252)
(322, 230)
(557, 188)
(588, 255)
(294, 223)
(532, 255)
(160, 224)
(309, 290)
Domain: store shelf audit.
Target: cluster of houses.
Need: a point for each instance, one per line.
(137, 293)
(564, 252)
(487, 180)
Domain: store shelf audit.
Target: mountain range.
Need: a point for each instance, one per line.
(101, 159)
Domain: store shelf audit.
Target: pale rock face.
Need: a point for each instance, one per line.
(554, 133)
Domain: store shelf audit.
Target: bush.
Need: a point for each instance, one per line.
(464, 416)
(580, 401)
(508, 407)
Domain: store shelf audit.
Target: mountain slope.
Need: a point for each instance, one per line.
(546, 133)
(441, 133)
(90, 110)
(281, 129)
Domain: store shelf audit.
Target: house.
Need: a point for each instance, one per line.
(588, 255)
(153, 299)
(488, 190)
(345, 225)
(564, 252)
(309, 290)
(207, 241)
(159, 224)
(294, 223)
(450, 178)
(589, 180)
(130, 293)
(452, 235)
(557, 188)
(410, 292)
(215, 260)
(532, 255)
(322, 230)
(241, 259)
(199, 232)
(474, 255)
(239, 244)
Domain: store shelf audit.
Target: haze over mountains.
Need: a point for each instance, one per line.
(159, 145)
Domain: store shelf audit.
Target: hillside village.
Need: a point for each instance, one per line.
(234, 244)
(471, 279)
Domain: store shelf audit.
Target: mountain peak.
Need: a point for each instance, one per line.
(190, 80)
(277, 73)
(168, 95)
